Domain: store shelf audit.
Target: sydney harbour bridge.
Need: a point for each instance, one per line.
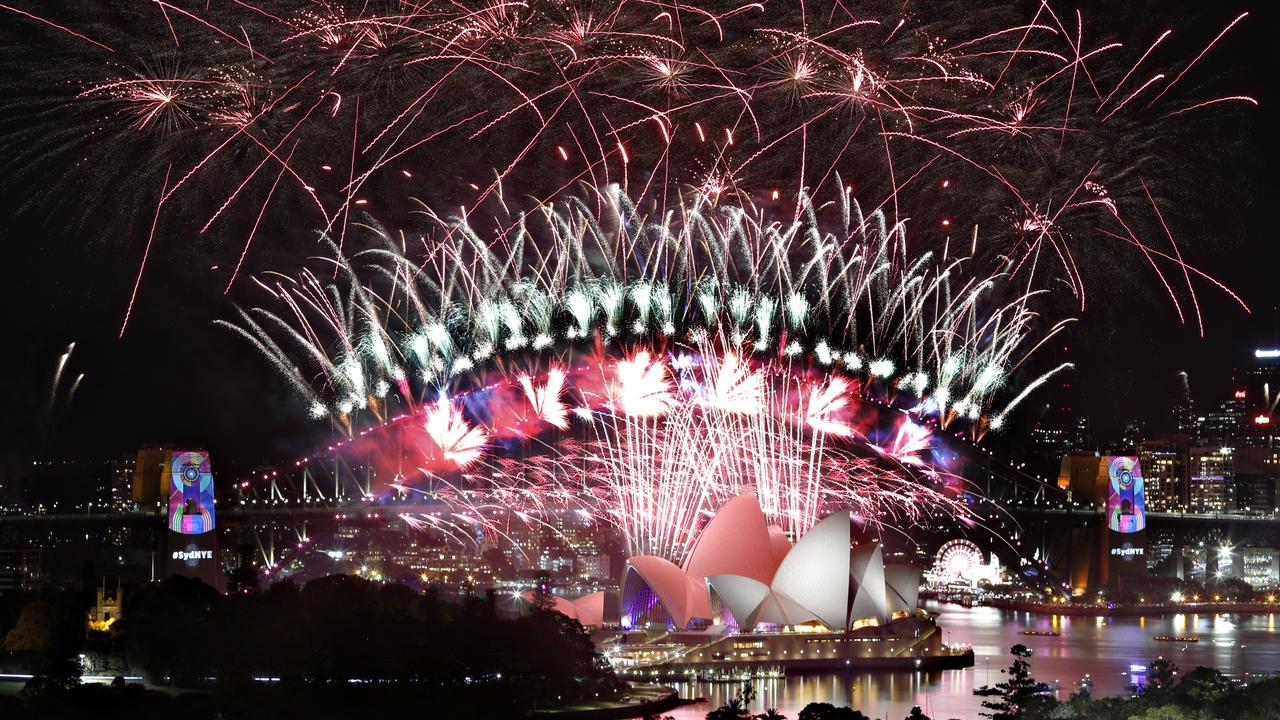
(1034, 527)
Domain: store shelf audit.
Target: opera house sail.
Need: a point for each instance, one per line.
(747, 596)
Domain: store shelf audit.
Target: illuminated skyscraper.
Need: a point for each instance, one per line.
(1184, 413)
(1221, 424)
(1212, 480)
(1164, 465)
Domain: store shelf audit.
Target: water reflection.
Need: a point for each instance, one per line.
(1107, 649)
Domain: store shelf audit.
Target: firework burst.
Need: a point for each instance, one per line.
(658, 367)
(948, 114)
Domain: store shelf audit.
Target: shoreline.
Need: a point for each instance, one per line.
(655, 699)
(1215, 608)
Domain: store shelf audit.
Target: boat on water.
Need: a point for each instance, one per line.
(1178, 638)
(1042, 633)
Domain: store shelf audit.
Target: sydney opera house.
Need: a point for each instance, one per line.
(747, 596)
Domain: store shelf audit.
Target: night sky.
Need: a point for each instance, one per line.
(80, 191)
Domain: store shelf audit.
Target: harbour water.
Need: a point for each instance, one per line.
(1110, 650)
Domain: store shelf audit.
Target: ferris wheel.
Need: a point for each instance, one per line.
(959, 561)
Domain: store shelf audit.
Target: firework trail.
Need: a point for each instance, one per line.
(57, 379)
(947, 114)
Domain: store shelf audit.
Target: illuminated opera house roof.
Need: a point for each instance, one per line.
(588, 609)
(743, 571)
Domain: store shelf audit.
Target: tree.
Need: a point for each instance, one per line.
(1020, 697)
(34, 630)
(498, 563)
(543, 600)
(827, 711)
(52, 631)
(1259, 700)
(737, 707)
(771, 714)
(1167, 712)
(1202, 687)
(1079, 707)
(167, 629)
(1159, 678)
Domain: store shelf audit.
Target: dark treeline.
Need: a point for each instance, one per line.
(339, 644)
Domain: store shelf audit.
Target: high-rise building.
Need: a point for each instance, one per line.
(1050, 441)
(1130, 439)
(1184, 413)
(1211, 479)
(1220, 425)
(1164, 465)
(1259, 429)
(122, 471)
(1259, 382)
(1261, 379)
(1257, 473)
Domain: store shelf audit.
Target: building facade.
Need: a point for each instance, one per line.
(1211, 483)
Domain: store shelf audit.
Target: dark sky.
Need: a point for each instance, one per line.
(73, 230)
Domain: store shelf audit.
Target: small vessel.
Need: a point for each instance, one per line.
(1042, 633)
(1178, 638)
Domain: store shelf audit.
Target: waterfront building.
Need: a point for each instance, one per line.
(746, 597)
(1259, 566)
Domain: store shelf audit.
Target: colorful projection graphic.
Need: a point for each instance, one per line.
(190, 493)
(1126, 496)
